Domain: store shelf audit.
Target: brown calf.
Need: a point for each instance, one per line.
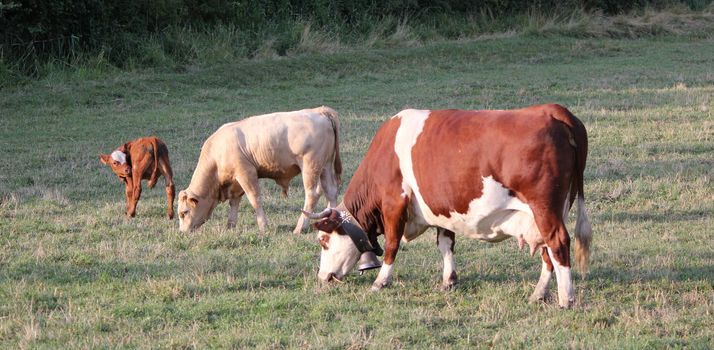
(142, 159)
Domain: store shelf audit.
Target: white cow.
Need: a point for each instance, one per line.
(277, 146)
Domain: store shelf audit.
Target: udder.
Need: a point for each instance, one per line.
(521, 225)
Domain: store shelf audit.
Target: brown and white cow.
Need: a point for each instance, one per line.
(278, 146)
(142, 159)
(488, 175)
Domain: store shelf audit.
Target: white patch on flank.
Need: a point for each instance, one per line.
(493, 217)
(119, 156)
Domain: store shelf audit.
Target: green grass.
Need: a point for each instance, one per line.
(74, 273)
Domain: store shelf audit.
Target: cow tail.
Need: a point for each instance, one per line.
(583, 229)
(579, 140)
(154, 173)
(335, 121)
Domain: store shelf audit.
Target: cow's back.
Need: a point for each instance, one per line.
(456, 150)
(273, 143)
(465, 170)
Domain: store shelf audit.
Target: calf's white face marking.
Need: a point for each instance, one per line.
(119, 157)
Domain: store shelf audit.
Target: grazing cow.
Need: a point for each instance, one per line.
(277, 146)
(488, 175)
(142, 159)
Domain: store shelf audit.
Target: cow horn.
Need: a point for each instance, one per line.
(317, 216)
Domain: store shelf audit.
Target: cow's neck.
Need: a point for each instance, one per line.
(371, 236)
(204, 183)
(347, 216)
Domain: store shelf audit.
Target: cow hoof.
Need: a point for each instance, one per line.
(231, 226)
(566, 305)
(377, 287)
(537, 298)
(450, 283)
(447, 287)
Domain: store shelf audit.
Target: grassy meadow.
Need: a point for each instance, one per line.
(75, 273)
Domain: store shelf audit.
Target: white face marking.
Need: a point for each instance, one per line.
(339, 258)
(119, 157)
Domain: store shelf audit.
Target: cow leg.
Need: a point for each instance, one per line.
(135, 194)
(165, 170)
(128, 193)
(566, 294)
(310, 182)
(546, 272)
(446, 240)
(249, 182)
(393, 217)
(549, 219)
(233, 213)
(328, 183)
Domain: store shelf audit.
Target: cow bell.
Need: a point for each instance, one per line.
(367, 261)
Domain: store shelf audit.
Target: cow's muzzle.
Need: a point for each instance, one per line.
(332, 277)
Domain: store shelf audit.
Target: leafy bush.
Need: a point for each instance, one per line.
(151, 33)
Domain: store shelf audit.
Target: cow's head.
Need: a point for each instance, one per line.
(118, 161)
(193, 210)
(343, 244)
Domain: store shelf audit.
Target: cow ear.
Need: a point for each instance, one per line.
(125, 147)
(326, 225)
(189, 198)
(104, 158)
